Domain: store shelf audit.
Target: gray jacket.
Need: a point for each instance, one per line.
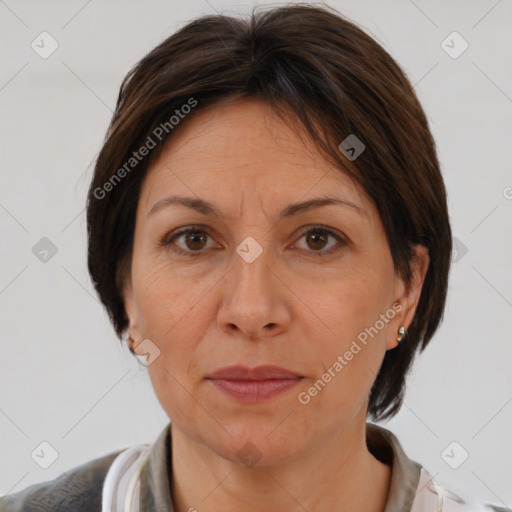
(81, 488)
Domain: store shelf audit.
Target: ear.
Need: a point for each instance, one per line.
(131, 309)
(408, 294)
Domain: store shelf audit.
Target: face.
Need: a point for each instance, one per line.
(312, 290)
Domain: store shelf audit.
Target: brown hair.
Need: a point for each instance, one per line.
(336, 81)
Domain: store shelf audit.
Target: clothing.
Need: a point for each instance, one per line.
(137, 479)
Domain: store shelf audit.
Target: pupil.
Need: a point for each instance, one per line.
(195, 237)
(317, 235)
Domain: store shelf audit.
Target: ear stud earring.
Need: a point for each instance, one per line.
(401, 331)
(130, 345)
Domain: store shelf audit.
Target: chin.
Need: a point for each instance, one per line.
(257, 443)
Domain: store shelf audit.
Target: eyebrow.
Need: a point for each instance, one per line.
(207, 208)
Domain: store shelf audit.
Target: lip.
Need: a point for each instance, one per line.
(254, 385)
(264, 372)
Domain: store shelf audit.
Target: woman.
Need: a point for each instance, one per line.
(268, 228)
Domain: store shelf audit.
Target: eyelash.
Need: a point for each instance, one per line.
(166, 242)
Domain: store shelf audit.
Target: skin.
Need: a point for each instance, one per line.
(289, 307)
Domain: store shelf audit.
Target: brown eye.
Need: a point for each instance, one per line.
(195, 240)
(317, 239)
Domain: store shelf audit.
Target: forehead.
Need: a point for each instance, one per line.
(246, 147)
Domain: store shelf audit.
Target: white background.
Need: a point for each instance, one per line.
(65, 378)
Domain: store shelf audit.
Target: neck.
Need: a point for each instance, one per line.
(336, 474)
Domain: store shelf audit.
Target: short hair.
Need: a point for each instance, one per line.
(311, 63)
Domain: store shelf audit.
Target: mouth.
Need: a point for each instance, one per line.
(256, 384)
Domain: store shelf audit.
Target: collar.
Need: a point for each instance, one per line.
(405, 473)
(155, 492)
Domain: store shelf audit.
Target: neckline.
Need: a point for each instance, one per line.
(156, 477)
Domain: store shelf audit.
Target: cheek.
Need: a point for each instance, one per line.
(348, 303)
(350, 341)
(165, 298)
(172, 314)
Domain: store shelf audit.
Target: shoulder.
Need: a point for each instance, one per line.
(79, 488)
(412, 487)
(431, 496)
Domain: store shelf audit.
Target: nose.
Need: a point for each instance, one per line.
(254, 298)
